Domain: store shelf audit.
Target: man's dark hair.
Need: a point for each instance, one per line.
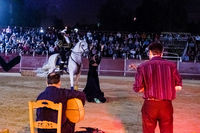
(156, 48)
(53, 78)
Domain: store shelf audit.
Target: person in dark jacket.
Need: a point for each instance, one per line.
(54, 93)
(65, 46)
(92, 90)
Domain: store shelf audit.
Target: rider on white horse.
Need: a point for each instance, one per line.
(75, 62)
(65, 46)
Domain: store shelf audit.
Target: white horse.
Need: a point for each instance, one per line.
(74, 62)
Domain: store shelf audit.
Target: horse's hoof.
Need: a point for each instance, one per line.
(76, 87)
(72, 88)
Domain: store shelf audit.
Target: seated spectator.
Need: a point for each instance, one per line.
(26, 48)
(54, 93)
(132, 53)
(51, 50)
(146, 43)
(186, 57)
(8, 31)
(197, 38)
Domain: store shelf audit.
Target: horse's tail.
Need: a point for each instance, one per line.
(51, 63)
(42, 71)
(46, 67)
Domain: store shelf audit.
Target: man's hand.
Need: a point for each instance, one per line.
(141, 90)
(132, 66)
(178, 88)
(102, 46)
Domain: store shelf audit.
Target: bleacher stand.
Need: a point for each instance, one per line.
(31, 41)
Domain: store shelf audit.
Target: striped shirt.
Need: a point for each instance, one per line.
(158, 77)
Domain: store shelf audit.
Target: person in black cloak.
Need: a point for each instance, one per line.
(92, 89)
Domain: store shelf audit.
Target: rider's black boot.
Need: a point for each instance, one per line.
(62, 65)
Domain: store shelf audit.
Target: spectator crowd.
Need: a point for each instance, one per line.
(40, 41)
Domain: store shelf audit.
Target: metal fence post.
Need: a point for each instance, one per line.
(124, 67)
(178, 63)
(47, 55)
(20, 64)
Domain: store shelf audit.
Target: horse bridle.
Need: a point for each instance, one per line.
(84, 50)
(76, 53)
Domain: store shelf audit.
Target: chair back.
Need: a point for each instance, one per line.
(45, 124)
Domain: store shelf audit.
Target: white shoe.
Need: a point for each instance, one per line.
(97, 100)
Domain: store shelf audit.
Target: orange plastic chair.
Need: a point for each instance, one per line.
(44, 124)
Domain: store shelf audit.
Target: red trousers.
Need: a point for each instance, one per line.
(157, 111)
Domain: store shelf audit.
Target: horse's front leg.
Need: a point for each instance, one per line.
(76, 81)
(71, 76)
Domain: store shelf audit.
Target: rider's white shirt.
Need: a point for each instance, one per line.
(67, 39)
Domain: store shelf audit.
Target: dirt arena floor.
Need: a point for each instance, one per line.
(120, 114)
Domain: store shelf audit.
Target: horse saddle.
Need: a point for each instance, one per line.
(64, 44)
(59, 62)
(75, 111)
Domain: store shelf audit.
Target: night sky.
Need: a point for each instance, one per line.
(72, 11)
(85, 11)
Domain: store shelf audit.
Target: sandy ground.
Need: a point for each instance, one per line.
(120, 114)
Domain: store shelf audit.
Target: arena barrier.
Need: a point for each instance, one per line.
(108, 66)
